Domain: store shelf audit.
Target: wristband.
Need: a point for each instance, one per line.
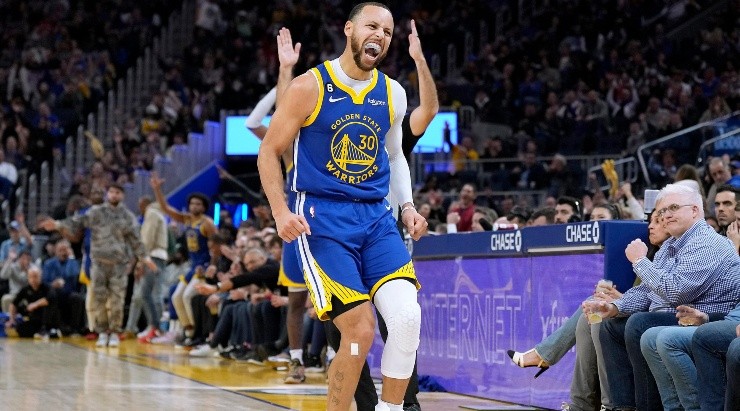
(408, 207)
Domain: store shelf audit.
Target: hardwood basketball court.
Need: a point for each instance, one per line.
(73, 374)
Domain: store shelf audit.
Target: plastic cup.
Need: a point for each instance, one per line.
(593, 316)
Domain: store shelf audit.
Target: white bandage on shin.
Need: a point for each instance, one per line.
(396, 302)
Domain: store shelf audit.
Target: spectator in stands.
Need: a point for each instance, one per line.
(562, 181)
(205, 310)
(15, 270)
(61, 274)
(460, 215)
(635, 139)
(33, 311)
(464, 154)
(484, 106)
(664, 171)
(725, 202)
(669, 351)
(711, 272)
(595, 112)
(605, 211)
(719, 171)
(518, 215)
(622, 99)
(625, 200)
(689, 175)
(732, 395)
(687, 361)
(542, 216)
(717, 108)
(530, 174)
(233, 329)
(483, 219)
(494, 174)
(8, 176)
(261, 271)
(20, 239)
(656, 118)
(586, 383)
(568, 210)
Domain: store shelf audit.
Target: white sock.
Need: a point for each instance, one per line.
(330, 353)
(381, 406)
(297, 355)
(386, 406)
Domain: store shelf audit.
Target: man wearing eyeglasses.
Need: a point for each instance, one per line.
(695, 266)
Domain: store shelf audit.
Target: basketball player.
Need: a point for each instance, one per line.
(343, 118)
(414, 126)
(199, 227)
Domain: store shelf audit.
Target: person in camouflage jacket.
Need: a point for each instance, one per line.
(115, 232)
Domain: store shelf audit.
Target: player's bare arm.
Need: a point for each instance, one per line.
(285, 125)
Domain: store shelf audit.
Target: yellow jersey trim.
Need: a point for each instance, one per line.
(356, 98)
(332, 288)
(320, 100)
(407, 271)
(391, 112)
(285, 281)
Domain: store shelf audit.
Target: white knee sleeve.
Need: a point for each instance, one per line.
(396, 302)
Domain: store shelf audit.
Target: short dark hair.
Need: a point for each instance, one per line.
(547, 212)
(574, 203)
(731, 188)
(358, 8)
(117, 187)
(518, 211)
(202, 197)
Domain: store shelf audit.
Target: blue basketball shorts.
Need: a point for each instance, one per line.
(353, 249)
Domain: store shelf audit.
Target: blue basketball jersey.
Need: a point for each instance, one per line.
(197, 243)
(340, 151)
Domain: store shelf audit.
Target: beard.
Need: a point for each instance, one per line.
(357, 51)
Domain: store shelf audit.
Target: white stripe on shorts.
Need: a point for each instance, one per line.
(312, 277)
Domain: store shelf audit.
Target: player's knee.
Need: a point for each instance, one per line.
(404, 326)
(364, 332)
(358, 340)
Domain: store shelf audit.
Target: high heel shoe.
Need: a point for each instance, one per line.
(518, 358)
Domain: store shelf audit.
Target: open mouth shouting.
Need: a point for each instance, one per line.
(367, 56)
(372, 51)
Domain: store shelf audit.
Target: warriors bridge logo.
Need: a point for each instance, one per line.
(354, 148)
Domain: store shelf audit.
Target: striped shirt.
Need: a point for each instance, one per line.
(701, 268)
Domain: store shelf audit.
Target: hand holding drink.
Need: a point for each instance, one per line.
(595, 311)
